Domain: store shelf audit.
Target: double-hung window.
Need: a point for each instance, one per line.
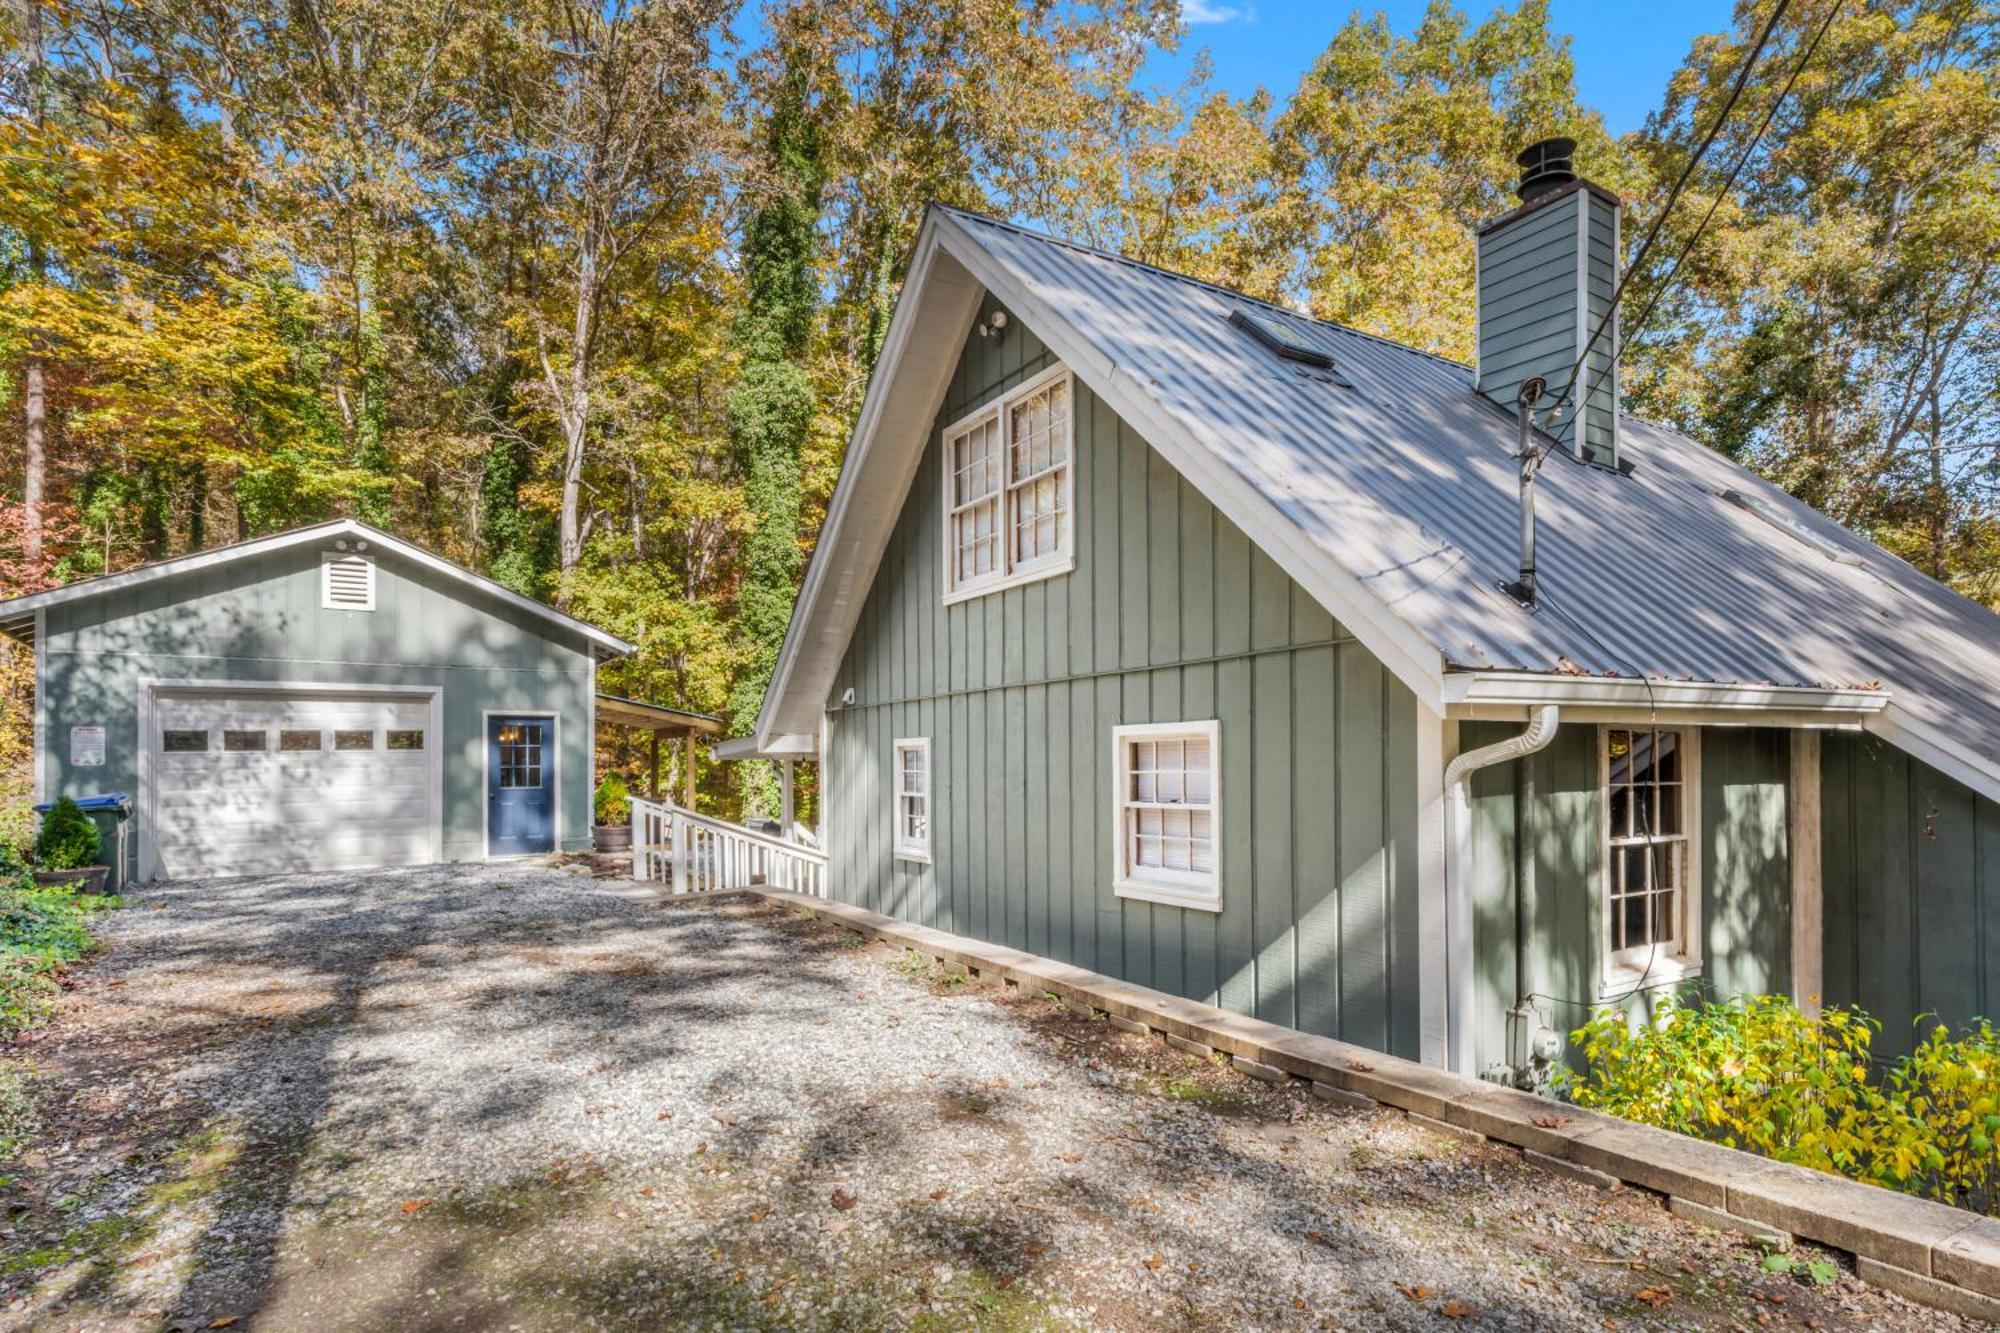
(1166, 814)
(1007, 480)
(913, 799)
(1651, 855)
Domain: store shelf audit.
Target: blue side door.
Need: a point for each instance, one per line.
(520, 785)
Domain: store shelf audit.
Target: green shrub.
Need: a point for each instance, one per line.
(41, 930)
(611, 794)
(1758, 1074)
(68, 838)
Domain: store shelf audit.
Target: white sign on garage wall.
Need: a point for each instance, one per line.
(86, 746)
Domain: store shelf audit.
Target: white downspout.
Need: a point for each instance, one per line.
(1542, 720)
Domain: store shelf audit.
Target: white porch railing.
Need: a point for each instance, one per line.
(691, 853)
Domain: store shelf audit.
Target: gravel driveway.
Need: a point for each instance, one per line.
(510, 1097)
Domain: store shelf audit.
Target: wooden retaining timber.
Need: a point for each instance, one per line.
(1928, 1252)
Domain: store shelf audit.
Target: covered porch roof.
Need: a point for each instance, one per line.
(656, 717)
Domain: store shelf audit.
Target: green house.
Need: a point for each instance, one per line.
(1185, 638)
(326, 698)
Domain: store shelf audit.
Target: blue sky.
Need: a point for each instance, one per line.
(1624, 51)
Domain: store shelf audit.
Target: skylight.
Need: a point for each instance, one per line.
(1281, 338)
(1776, 516)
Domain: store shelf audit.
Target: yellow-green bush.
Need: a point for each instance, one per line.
(1758, 1074)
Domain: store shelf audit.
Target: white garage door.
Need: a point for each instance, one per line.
(257, 784)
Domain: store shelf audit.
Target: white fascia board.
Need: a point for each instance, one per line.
(780, 747)
(940, 300)
(1465, 692)
(1939, 749)
(319, 532)
(1400, 646)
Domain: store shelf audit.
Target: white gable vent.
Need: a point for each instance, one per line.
(347, 582)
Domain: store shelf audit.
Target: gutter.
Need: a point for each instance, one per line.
(1540, 731)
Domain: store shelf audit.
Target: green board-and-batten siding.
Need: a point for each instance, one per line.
(1170, 614)
(1745, 874)
(260, 620)
(1911, 877)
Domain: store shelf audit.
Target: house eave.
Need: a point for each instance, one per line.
(17, 615)
(1505, 695)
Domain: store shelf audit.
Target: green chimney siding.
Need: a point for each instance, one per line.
(1170, 614)
(1911, 877)
(260, 619)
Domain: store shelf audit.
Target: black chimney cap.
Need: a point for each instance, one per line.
(1545, 166)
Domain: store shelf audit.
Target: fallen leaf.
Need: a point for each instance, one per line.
(759, 1215)
(1155, 1261)
(664, 1115)
(224, 1322)
(646, 1193)
(1360, 1068)
(1038, 1248)
(1319, 1239)
(1654, 1296)
(1457, 1310)
(409, 1206)
(1549, 1121)
(1415, 1292)
(843, 1198)
(939, 1194)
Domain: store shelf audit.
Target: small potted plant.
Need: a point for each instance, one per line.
(613, 830)
(66, 849)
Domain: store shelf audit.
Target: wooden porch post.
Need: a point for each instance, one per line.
(653, 788)
(785, 800)
(687, 773)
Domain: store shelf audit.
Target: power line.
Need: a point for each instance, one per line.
(1653, 233)
(1667, 282)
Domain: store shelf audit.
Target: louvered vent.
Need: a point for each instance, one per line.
(347, 582)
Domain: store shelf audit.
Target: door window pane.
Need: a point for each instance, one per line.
(520, 754)
(184, 742)
(354, 740)
(246, 740)
(411, 739)
(301, 740)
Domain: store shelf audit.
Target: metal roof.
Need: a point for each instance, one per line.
(1407, 480)
(655, 717)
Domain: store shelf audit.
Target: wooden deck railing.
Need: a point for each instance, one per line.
(691, 853)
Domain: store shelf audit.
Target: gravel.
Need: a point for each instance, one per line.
(511, 1096)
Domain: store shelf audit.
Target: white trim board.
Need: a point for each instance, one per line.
(486, 717)
(20, 607)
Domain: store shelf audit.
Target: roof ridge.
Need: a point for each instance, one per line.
(1098, 252)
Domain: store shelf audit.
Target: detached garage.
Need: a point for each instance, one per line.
(326, 698)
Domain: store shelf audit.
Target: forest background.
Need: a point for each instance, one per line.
(585, 296)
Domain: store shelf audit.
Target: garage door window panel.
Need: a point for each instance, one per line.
(412, 739)
(245, 742)
(178, 741)
(296, 741)
(353, 740)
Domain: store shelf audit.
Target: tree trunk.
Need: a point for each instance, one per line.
(34, 432)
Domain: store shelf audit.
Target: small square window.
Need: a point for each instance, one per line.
(354, 740)
(301, 740)
(1166, 843)
(412, 739)
(184, 742)
(244, 742)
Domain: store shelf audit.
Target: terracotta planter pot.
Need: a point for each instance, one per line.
(83, 879)
(611, 837)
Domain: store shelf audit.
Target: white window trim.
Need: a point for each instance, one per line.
(327, 560)
(909, 849)
(1623, 973)
(1171, 888)
(1007, 576)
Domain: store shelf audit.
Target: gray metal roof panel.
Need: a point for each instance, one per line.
(1407, 480)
